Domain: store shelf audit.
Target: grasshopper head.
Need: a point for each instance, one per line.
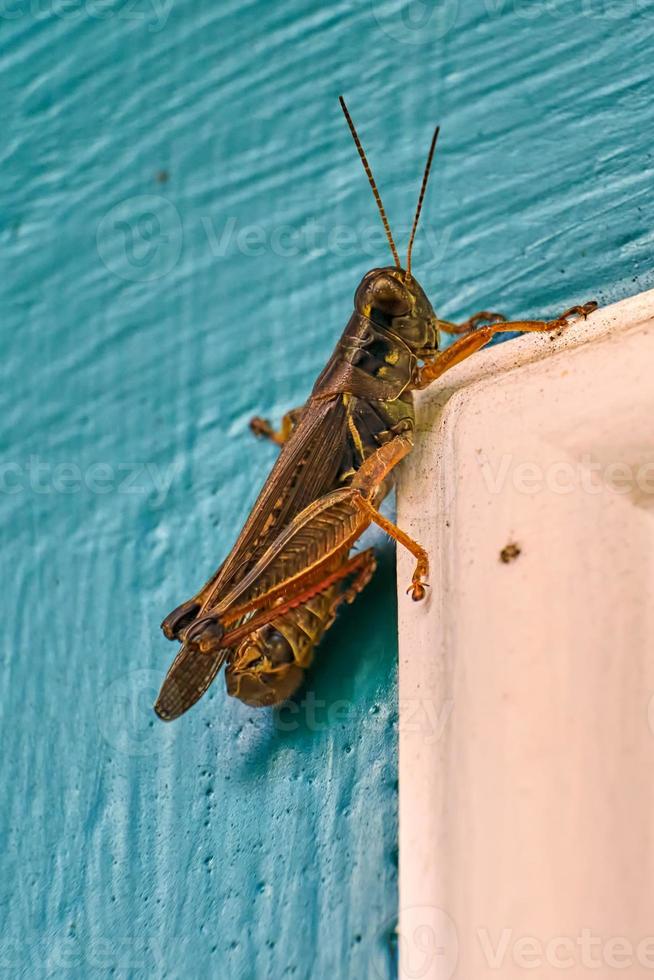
(391, 297)
(396, 301)
(263, 670)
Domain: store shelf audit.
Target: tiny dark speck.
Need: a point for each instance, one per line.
(510, 553)
(161, 176)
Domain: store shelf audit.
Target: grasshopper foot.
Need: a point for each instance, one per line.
(261, 427)
(417, 590)
(574, 311)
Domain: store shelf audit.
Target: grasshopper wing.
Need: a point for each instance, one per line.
(304, 558)
(307, 467)
(188, 678)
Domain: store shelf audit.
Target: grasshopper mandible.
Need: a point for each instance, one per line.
(278, 591)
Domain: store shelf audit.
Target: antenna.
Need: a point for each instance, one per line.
(366, 167)
(421, 196)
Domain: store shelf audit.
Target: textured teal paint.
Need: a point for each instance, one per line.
(235, 843)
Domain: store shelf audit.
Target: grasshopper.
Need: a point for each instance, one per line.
(292, 567)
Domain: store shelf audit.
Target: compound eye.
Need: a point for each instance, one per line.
(278, 649)
(389, 298)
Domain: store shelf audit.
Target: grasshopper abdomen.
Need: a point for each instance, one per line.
(269, 665)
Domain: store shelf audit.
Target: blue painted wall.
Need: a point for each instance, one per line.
(183, 220)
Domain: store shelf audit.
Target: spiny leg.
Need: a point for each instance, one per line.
(334, 512)
(467, 326)
(207, 643)
(210, 634)
(294, 561)
(321, 533)
(315, 543)
(263, 428)
(362, 566)
(303, 554)
(472, 342)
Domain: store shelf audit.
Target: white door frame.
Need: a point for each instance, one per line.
(526, 684)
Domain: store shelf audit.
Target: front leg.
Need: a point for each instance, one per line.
(474, 341)
(263, 428)
(369, 478)
(467, 326)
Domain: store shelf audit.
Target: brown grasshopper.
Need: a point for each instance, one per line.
(292, 567)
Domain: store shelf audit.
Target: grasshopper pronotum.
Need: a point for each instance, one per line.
(279, 589)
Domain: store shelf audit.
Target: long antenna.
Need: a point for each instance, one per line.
(421, 197)
(366, 167)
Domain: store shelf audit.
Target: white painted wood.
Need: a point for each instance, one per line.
(526, 711)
